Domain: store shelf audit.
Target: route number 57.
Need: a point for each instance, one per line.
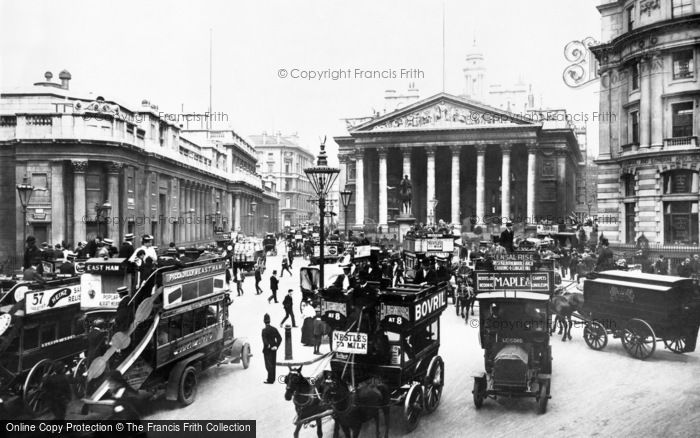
(37, 298)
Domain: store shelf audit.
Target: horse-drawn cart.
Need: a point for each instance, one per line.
(641, 309)
(514, 333)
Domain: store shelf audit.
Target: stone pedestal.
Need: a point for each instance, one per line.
(405, 223)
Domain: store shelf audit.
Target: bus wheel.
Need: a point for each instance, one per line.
(187, 390)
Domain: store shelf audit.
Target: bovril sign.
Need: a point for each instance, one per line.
(430, 305)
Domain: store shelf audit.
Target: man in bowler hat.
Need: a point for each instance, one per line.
(271, 341)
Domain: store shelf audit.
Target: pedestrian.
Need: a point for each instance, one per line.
(126, 249)
(32, 254)
(258, 279)
(32, 274)
(274, 284)
(238, 279)
(661, 266)
(288, 305)
(271, 341)
(307, 328)
(291, 258)
(285, 266)
(68, 267)
(320, 329)
(685, 269)
(695, 264)
(506, 239)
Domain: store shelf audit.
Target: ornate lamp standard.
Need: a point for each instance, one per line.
(322, 178)
(345, 197)
(24, 191)
(101, 210)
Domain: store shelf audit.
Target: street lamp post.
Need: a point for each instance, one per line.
(345, 197)
(253, 209)
(322, 178)
(100, 210)
(24, 191)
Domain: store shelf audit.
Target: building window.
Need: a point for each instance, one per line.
(288, 203)
(682, 119)
(270, 167)
(682, 7)
(628, 182)
(679, 181)
(629, 222)
(681, 222)
(635, 76)
(634, 126)
(683, 65)
(287, 166)
(630, 18)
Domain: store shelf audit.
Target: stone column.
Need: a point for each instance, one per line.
(430, 181)
(383, 220)
(645, 103)
(505, 181)
(359, 187)
(229, 212)
(189, 218)
(237, 213)
(456, 150)
(657, 85)
(181, 213)
(113, 229)
(79, 211)
(406, 163)
(480, 182)
(531, 181)
(58, 203)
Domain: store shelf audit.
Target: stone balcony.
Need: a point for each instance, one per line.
(690, 142)
(85, 129)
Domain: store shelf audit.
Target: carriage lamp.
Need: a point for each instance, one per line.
(322, 177)
(24, 192)
(102, 210)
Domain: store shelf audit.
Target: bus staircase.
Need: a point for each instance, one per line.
(133, 367)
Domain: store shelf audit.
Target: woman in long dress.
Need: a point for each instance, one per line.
(307, 329)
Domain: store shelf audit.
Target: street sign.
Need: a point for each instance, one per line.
(522, 281)
(351, 342)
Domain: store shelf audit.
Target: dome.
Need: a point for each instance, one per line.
(65, 74)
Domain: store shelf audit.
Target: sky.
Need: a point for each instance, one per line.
(159, 50)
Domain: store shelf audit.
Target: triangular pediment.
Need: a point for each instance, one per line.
(442, 111)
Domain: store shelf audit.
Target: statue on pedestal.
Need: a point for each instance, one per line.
(405, 195)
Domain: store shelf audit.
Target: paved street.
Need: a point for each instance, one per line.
(604, 393)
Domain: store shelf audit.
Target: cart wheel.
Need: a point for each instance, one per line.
(413, 407)
(80, 377)
(187, 390)
(639, 339)
(479, 391)
(33, 391)
(434, 382)
(676, 344)
(595, 335)
(543, 396)
(245, 356)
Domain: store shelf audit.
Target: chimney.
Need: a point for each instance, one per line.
(65, 77)
(278, 136)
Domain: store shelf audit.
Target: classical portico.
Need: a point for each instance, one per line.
(481, 164)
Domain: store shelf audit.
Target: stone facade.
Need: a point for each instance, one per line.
(79, 153)
(458, 152)
(648, 154)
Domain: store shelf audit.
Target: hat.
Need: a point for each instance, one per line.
(147, 238)
(129, 236)
(31, 239)
(70, 255)
(122, 290)
(108, 241)
(44, 244)
(181, 249)
(266, 318)
(509, 224)
(171, 251)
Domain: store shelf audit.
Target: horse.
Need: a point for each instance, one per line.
(563, 305)
(354, 408)
(464, 299)
(306, 397)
